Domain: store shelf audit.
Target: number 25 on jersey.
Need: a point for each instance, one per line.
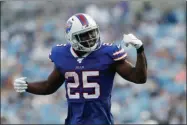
(86, 84)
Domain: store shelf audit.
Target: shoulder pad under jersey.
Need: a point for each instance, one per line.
(116, 52)
(56, 50)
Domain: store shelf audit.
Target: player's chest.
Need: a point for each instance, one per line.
(89, 63)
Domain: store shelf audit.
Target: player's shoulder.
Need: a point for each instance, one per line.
(60, 48)
(116, 52)
(110, 47)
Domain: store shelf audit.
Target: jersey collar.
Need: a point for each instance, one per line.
(75, 55)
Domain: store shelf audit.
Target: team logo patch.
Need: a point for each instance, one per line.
(68, 26)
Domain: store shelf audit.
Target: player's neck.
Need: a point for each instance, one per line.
(80, 53)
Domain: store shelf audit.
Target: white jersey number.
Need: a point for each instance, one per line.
(86, 84)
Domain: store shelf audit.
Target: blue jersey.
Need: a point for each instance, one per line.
(88, 82)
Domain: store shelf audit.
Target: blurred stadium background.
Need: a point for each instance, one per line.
(30, 28)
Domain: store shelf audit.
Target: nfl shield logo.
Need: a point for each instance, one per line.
(68, 26)
(80, 60)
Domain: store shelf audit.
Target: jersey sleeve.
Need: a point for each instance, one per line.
(53, 56)
(118, 53)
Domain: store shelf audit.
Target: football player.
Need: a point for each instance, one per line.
(87, 68)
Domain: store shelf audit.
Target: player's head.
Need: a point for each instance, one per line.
(83, 33)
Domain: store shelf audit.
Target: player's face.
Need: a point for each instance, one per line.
(88, 39)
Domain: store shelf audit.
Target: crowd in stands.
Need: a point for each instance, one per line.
(27, 39)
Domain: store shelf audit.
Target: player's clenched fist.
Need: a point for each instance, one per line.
(131, 39)
(20, 84)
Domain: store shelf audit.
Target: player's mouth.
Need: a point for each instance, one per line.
(89, 43)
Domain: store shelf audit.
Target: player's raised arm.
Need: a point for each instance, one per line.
(124, 68)
(46, 87)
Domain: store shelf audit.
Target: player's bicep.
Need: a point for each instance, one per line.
(125, 69)
(55, 79)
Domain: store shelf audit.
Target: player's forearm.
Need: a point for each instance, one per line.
(49, 86)
(140, 73)
(39, 88)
